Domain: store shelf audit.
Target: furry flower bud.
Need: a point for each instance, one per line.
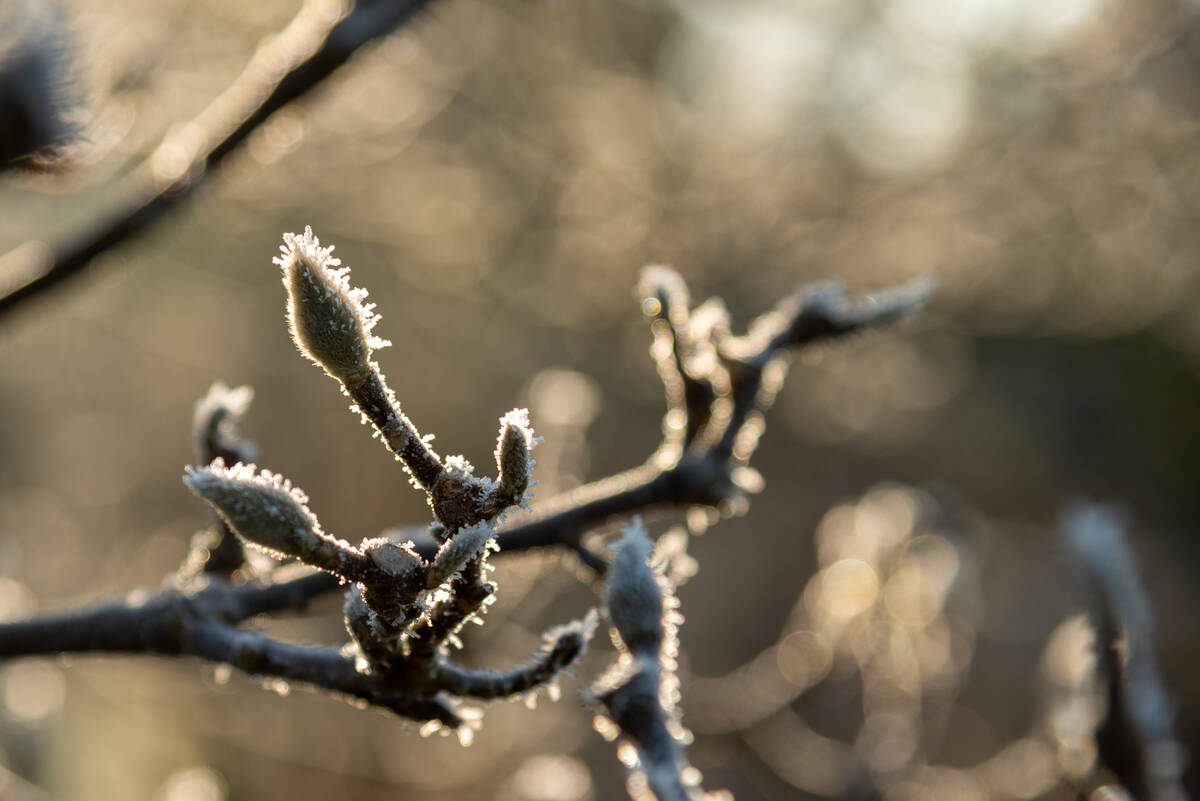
(635, 600)
(266, 510)
(469, 543)
(513, 461)
(330, 321)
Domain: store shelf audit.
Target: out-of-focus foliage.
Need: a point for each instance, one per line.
(497, 174)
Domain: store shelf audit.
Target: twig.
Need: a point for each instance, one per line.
(639, 693)
(175, 623)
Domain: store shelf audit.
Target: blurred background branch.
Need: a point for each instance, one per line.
(322, 37)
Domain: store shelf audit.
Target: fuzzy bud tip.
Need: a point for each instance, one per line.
(330, 321)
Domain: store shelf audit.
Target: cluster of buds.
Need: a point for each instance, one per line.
(402, 609)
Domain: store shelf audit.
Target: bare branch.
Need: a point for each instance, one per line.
(175, 623)
(564, 646)
(640, 691)
(400, 661)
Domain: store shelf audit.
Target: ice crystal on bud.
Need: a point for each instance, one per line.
(635, 598)
(330, 321)
(265, 509)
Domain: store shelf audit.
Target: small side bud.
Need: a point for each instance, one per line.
(214, 424)
(330, 321)
(400, 572)
(469, 543)
(513, 461)
(635, 599)
(398, 561)
(266, 510)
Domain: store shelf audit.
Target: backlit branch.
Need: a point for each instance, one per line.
(406, 601)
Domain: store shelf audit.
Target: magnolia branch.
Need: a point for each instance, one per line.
(696, 464)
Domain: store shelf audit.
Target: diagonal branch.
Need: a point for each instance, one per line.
(285, 67)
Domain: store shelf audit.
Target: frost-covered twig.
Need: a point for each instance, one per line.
(640, 692)
(201, 623)
(403, 608)
(718, 386)
(285, 67)
(332, 325)
(1135, 739)
(563, 647)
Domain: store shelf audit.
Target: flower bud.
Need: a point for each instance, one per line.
(330, 321)
(266, 510)
(513, 461)
(469, 543)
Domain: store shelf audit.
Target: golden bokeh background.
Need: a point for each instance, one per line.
(496, 175)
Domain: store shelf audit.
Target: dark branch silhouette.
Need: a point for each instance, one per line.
(285, 67)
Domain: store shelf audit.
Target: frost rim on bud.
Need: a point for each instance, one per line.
(329, 320)
(266, 510)
(513, 461)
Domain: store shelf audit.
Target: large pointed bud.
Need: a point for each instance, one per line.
(330, 321)
(266, 510)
